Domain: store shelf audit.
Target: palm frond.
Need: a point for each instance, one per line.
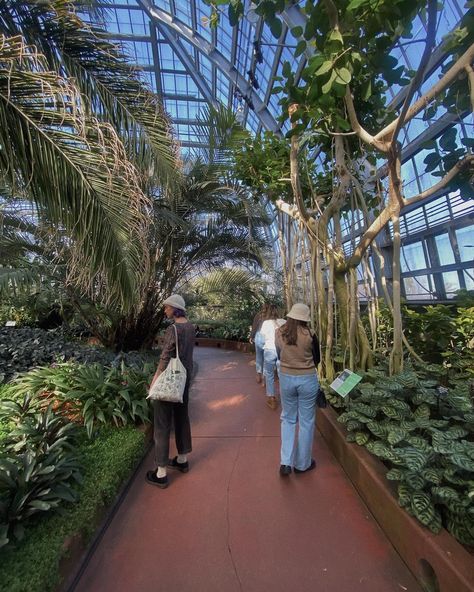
(73, 166)
(109, 84)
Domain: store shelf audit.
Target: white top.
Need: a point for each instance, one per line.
(267, 330)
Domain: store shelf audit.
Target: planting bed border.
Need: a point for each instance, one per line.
(437, 561)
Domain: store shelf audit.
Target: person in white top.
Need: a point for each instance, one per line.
(267, 331)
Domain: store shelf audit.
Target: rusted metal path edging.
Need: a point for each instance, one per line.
(438, 561)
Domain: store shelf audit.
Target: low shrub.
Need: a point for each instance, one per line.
(90, 394)
(425, 436)
(38, 464)
(32, 565)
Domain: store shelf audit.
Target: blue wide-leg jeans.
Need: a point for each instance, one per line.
(298, 403)
(269, 367)
(259, 342)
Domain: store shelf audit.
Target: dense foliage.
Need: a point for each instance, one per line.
(23, 348)
(32, 565)
(426, 438)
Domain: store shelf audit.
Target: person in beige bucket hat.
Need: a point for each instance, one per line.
(165, 413)
(175, 301)
(298, 352)
(299, 312)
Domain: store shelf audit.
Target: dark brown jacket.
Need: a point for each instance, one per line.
(186, 337)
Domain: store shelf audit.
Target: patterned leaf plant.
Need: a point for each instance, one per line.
(426, 441)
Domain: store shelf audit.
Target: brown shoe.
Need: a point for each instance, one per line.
(272, 402)
(259, 378)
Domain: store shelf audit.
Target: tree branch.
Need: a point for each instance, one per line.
(470, 77)
(463, 62)
(418, 78)
(465, 162)
(359, 130)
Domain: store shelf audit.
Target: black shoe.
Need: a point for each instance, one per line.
(174, 464)
(285, 470)
(161, 482)
(310, 468)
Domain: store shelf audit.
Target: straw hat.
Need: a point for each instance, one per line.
(176, 301)
(299, 312)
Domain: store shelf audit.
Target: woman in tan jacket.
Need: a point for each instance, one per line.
(298, 352)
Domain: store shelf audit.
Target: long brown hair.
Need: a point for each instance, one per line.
(289, 331)
(271, 312)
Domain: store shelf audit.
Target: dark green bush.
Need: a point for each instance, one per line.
(33, 564)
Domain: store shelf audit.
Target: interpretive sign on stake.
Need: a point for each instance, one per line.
(345, 382)
(10, 324)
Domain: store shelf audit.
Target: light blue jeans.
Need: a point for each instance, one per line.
(298, 404)
(259, 341)
(269, 367)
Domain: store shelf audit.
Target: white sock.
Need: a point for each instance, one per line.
(161, 472)
(182, 458)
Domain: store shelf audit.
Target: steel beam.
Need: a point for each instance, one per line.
(188, 62)
(167, 21)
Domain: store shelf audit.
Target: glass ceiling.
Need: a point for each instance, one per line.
(188, 63)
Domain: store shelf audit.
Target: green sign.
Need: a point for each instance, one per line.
(345, 382)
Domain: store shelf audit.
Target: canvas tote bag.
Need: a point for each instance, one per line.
(169, 386)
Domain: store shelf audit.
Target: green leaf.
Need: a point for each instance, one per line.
(275, 27)
(394, 475)
(396, 435)
(362, 438)
(297, 32)
(354, 4)
(336, 36)
(286, 70)
(300, 48)
(343, 75)
(40, 505)
(367, 90)
(326, 66)
(448, 140)
(423, 508)
(463, 461)
(326, 88)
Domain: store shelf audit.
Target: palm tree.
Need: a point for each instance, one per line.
(75, 122)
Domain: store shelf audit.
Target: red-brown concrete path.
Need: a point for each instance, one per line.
(232, 524)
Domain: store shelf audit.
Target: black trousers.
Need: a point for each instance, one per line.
(165, 414)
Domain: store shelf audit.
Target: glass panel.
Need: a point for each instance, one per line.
(469, 278)
(418, 288)
(465, 238)
(413, 257)
(445, 251)
(451, 283)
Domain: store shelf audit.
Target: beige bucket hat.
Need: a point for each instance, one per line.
(299, 312)
(176, 301)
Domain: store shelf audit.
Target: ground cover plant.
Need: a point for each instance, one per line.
(23, 348)
(425, 436)
(32, 565)
(43, 413)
